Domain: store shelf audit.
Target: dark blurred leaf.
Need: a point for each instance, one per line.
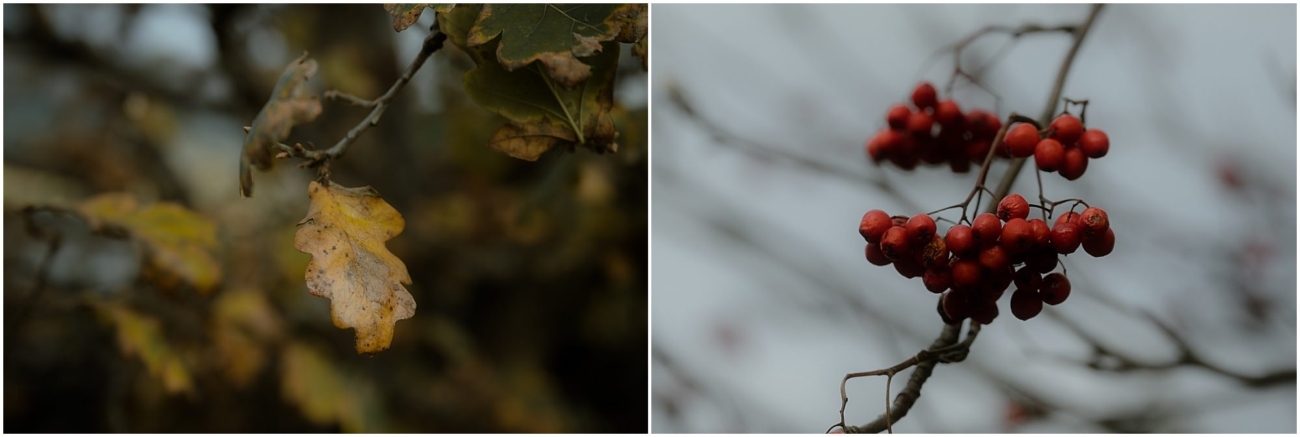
(324, 393)
(141, 336)
(242, 322)
(291, 104)
(344, 231)
(529, 141)
(556, 35)
(180, 242)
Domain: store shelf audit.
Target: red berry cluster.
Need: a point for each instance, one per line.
(974, 265)
(934, 132)
(1066, 149)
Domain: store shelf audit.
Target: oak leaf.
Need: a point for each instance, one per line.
(344, 232)
(179, 242)
(557, 35)
(406, 14)
(292, 103)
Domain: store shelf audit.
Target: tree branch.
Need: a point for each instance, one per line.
(432, 43)
(908, 397)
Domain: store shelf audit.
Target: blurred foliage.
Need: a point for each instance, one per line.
(119, 174)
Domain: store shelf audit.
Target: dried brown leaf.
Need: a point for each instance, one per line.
(291, 104)
(344, 232)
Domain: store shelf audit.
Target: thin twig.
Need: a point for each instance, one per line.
(432, 43)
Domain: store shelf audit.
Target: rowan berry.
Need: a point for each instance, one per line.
(937, 278)
(1067, 129)
(1094, 143)
(960, 240)
(1065, 238)
(920, 123)
(925, 96)
(1025, 303)
(1028, 279)
(1017, 236)
(1100, 246)
(965, 274)
(1055, 289)
(1013, 206)
(1093, 222)
(1020, 140)
(987, 228)
(897, 117)
(920, 228)
(875, 256)
(1049, 154)
(1074, 165)
(874, 224)
(895, 244)
(947, 114)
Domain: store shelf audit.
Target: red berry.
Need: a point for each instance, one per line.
(874, 224)
(1028, 279)
(965, 274)
(1025, 303)
(959, 164)
(897, 117)
(1094, 143)
(1075, 164)
(1013, 206)
(991, 125)
(1067, 129)
(985, 313)
(1055, 289)
(987, 229)
(921, 228)
(1017, 236)
(1068, 217)
(1042, 233)
(885, 144)
(960, 240)
(1020, 140)
(994, 258)
(895, 244)
(1100, 246)
(920, 123)
(925, 96)
(948, 114)
(1049, 155)
(1065, 238)
(899, 220)
(978, 149)
(935, 252)
(937, 278)
(954, 305)
(1093, 222)
(909, 267)
(875, 256)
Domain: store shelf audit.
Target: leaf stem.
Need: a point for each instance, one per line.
(550, 85)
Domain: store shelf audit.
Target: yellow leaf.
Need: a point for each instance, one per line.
(326, 394)
(180, 242)
(142, 336)
(344, 232)
(242, 322)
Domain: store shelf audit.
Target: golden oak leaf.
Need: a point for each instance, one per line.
(344, 232)
(180, 241)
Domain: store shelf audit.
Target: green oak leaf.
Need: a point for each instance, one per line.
(556, 35)
(542, 113)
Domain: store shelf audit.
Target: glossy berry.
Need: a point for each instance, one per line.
(1025, 303)
(921, 228)
(1049, 155)
(909, 267)
(955, 305)
(1041, 232)
(948, 114)
(987, 229)
(874, 224)
(1013, 206)
(895, 244)
(935, 252)
(1093, 222)
(1055, 289)
(1068, 217)
(960, 240)
(1074, 165)
(1094, 143)
(1017, 236)
(925, 96)
(1020, 140)
(897, 117)
(1065, 238)
(1028, 279)
(920, 123)
(937, 279)
(1067, 129)
(1100, 246)
(965, 274)
(875, 256)
(994, 258)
